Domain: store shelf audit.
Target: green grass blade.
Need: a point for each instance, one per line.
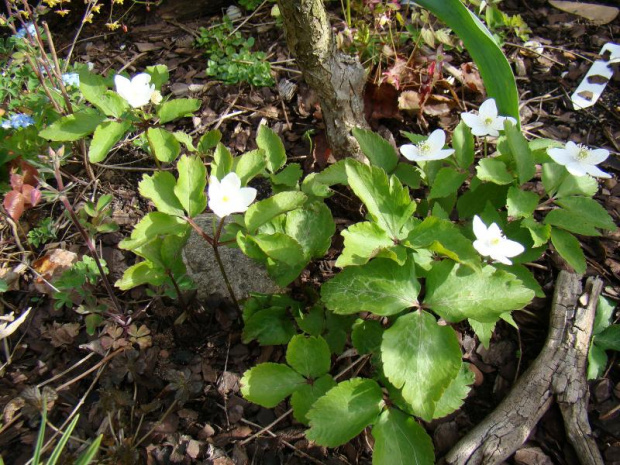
(62, 442)
(492, 63)
(39, 445)
(89, 454)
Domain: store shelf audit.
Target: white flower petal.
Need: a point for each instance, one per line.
(471, 120)
(560, 156)
(231, 181)
(494, 231)
(436, 140)
(596, 172)
(141, 80)
(248, 195)
(511, 248)
(410, 152)
(480, 229)
(488, 109)
(596, 156)
(576, 169)
(438, 155)
(498, 257)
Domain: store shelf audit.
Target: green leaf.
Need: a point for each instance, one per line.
(185, 139)
(421, 358)
(484, 331)
(209, 140)
(313, 227)
(378, 150)
(609, 338)
(95, 90)
(159, 75)
(248, 165)
(521, 204)
(288, 177)
(271, 326)
(597, 361)
(285, 257)
(380, 287)
(268, 384)
(159, 189)
(443, 237)
(190, 187)
(463, 144)
(454, 396)
(604, 312)
(399, 440)
(447, 182)
(474, 200)
(269, 141)
(590, 210)
(387, 201)
(173, 109)
(572, 221)
(163, 144)
(457, 293)
(520, 151)
(569, 248)
(552, 176)
(524, 275)
(540, 233)
(495, 171)
(344, 411)
(222, 162)
(312, 322)
(152, 225)
(577, 185)
(308, 356)
(408, 175)
(72, 127)
(490, 60)
(105, 137)
(261, 212)
(141, 273)
(362, 241)
(89, 454)
(306, 395)
(366, 336)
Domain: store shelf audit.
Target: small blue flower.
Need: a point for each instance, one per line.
(19, 120)
(21, 33)
(71, 79)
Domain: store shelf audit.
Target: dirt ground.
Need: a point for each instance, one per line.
(175, 398)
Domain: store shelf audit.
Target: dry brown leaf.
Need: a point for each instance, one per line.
(51, 266)
(409, 100)
(599, 14)
(61, 335)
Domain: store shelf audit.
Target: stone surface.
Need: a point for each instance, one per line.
(245, 274)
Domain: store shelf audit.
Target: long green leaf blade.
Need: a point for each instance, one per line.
(492, 63)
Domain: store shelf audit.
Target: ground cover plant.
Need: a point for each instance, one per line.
(402, 268)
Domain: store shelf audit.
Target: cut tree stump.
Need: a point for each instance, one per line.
(558, 373)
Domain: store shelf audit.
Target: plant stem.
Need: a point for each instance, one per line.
(177, 289)
(485, 147)
(215, 245)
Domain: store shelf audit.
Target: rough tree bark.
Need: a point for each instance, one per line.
(337, 78)
(558, 372)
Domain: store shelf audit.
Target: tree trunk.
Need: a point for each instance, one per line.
(337, 78)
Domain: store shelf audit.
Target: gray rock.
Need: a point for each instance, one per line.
(245, 274)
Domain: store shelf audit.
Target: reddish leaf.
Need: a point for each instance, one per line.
(16, 181)
(321, 151)
(380, 102)
(14, 204)
(29, 172)
(31, 194)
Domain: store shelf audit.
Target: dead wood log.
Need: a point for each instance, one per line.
(558, 372)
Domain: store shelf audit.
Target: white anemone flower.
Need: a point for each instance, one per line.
(8, 323)
(430, 149)
(137, 92)
(580, 160)
(227, 196)
(491, 242)
(486, 122)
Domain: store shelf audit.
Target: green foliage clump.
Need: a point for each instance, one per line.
(231, 58)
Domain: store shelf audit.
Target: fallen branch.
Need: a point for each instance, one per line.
(558, 372)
